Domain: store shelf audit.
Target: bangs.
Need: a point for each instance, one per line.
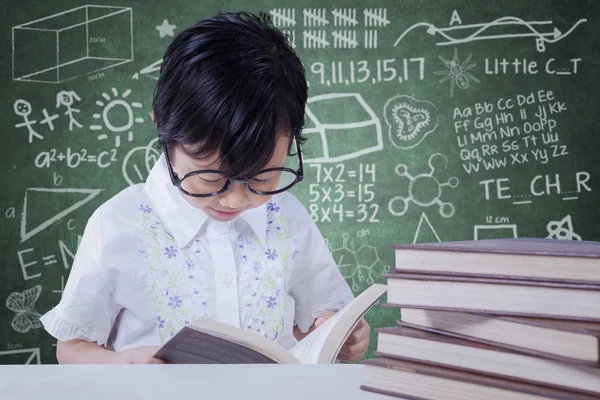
(243, 136)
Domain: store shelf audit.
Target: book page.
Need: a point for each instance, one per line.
(324, 343)
(308, 349)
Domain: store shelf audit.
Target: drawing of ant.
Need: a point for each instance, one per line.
(457, 72)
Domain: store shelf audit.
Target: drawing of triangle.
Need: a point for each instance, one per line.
(425, 234)
(38, 201)
(152, 69)
(20, 356)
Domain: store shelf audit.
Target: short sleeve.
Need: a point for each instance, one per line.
(317, 285)
(86, 310)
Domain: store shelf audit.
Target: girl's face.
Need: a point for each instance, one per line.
(238, 198)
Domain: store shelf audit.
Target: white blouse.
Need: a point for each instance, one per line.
(149, 263)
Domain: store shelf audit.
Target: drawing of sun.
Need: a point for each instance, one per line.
(117, 115)
(457, 72)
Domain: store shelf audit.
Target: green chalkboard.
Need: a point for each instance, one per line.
(427, 121)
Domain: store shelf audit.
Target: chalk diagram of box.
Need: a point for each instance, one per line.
(345, 128)
(73, 43)
(495, 231)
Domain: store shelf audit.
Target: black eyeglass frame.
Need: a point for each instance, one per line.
(230, 181)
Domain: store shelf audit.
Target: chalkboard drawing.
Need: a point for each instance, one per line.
(315, 39)
(424, 189)
(138, 163)
(117, 109)
(376, 17)
(344, 17)
(344, 126)
(23, 109)
(541, 38)
(315, 17)
(66, 99)
(152, 71)
(358, 266)
(562, 229)
(344, 39)
(370, 39)
(422, 234)
(21, 356)
(51, 196)
(494, 231)
(409, 120)
(283, 17)
(457, 72)
(48, 119)
(72, 43)
(62, 286)
(165, 29)
(22, 304)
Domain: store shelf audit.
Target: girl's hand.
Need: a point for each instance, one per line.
(139, 355)
(356, 345)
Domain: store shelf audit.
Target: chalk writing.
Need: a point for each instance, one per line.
(509, 131)
(539, 185)
(368, 71)
(75, 158)
(337, 187)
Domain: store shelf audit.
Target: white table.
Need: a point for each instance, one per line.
(193, 382)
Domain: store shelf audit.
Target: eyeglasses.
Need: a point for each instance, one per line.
(210, 182)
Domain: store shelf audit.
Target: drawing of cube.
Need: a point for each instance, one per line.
(72, 43)
(341, 127)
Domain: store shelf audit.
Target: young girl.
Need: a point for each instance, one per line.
(213, 232)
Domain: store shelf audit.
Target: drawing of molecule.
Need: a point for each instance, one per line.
(358, 265)
(424, 189)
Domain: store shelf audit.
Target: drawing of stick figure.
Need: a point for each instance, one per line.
(67, 98)
(23, 109)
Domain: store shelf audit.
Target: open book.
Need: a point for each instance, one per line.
(206, 341)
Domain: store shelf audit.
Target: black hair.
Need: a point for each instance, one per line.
(230, 85)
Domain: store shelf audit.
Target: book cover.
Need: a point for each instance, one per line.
(588, 328)
(208, 341)
(523, 246)
(522, 258)
(501, 345)
(568, 341)
(442, 350)
(558, 300)
(406, 381)
(491, 280)
(190, 346)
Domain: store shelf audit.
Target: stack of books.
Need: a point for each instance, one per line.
(491, 319)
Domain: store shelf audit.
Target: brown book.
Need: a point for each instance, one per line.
(559, 300)
(562, 340)
(207, 341)
(442, 350)
(522, 258)
(417, 381)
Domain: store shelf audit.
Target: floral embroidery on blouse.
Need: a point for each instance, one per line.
(176, 277)
(264, 274)
(263, 271)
